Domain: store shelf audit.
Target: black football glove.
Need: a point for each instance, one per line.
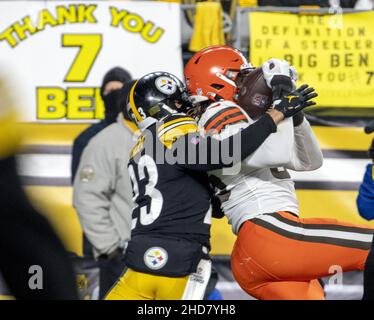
(292, 103)
(217, 211)
(279, 76)
(280, 85)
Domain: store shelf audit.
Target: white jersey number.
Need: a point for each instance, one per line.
(146, 216)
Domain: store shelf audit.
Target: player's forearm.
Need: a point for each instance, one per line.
(212, 154)
(276, 115)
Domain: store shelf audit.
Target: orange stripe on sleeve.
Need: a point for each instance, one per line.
(231, 121)
(216, 120)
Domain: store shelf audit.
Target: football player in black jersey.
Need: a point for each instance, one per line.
(168, 255)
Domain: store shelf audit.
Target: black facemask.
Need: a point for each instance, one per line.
(112, 102)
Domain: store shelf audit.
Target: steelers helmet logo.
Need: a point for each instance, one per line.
(166, 85)
(155, 258)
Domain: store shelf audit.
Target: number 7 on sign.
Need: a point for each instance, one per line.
(89, 48)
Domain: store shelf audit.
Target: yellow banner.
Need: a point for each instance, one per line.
(333, 53)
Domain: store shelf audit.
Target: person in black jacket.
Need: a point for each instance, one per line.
(114, 81)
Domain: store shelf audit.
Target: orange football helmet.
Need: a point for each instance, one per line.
(212, 72)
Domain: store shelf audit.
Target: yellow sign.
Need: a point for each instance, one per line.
(57, 52)
(333, 53)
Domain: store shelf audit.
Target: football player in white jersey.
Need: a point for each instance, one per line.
(277, 255)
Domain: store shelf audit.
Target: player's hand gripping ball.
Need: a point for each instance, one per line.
(258, 88)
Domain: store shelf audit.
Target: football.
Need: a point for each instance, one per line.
(254, 95)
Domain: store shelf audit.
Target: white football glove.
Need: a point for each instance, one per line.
(276, 67)
(280, 76)
(293, 72)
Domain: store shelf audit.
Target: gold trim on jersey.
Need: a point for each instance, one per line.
(169, 123)
(132, 103)
(170, 136)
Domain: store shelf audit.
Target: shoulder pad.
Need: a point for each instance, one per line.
(174, 126)
(220, 114)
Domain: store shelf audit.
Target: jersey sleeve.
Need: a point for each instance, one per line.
(223, 119)
(274, 152)
(205, 153)
(174, 127)
(306, 153)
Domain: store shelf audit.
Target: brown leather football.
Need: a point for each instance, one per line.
(254, 95)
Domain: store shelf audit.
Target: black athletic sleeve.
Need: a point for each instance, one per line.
(195, 152)
(27, 239)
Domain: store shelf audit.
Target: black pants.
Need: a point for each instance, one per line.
(110, 272)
